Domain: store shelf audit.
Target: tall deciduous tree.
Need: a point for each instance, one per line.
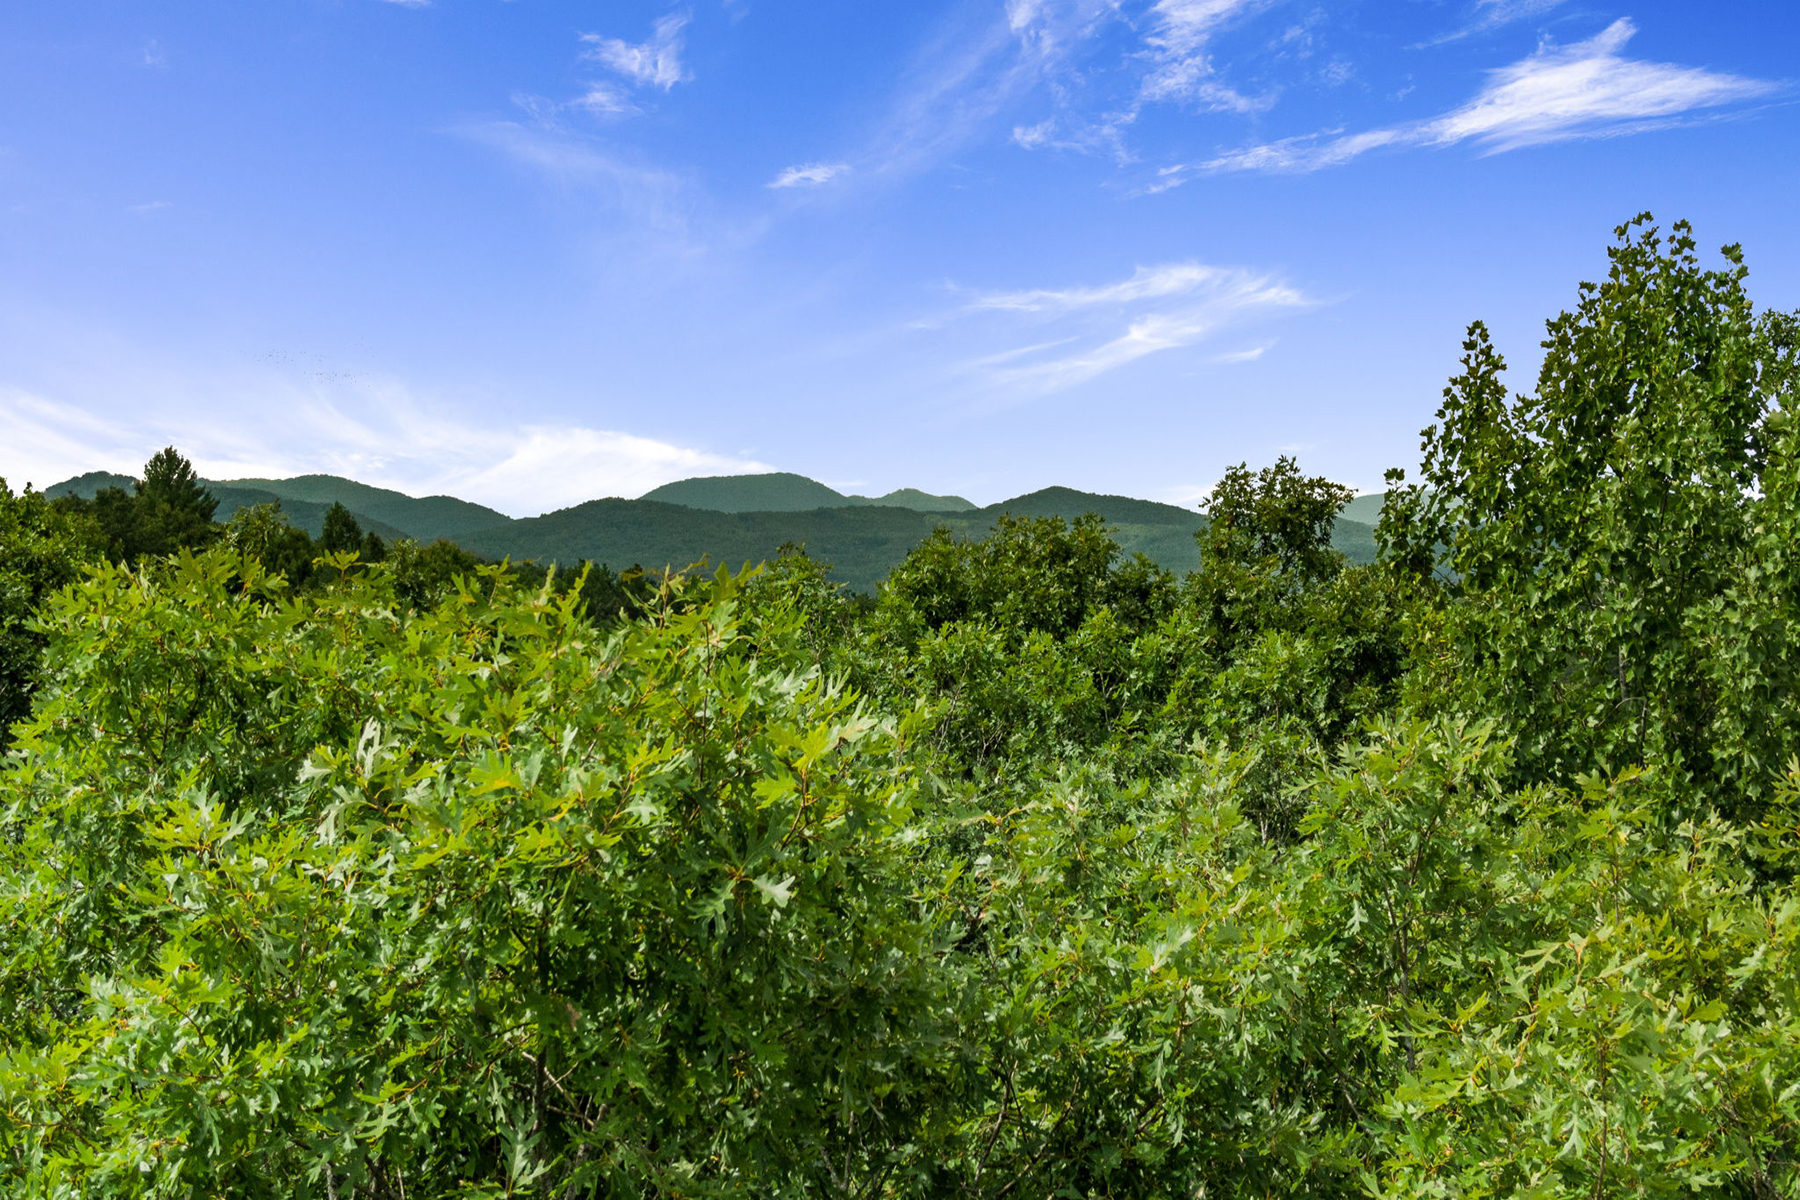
(262, 531)
(1620, 543)
(1277, 522)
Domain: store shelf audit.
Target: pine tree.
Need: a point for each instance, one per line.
(342, 532)
(172, 510)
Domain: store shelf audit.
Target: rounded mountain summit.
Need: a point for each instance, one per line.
(783, 491)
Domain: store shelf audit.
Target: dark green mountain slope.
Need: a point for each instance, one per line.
(426, 518)
(1366, 509)
(302, 514)
(1069, 504)
(783, 491)
(778, 491)
(914, 499)
(862, 543)
(1355, 539)
(88, 485)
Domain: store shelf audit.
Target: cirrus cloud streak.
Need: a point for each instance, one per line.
(1108, 326)
(1559, 93)
(809, 175)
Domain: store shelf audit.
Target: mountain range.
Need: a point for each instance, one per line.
(730, 519)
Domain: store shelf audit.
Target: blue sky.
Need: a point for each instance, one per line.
(532, 252)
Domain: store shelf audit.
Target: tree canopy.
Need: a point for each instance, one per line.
(1621, 541)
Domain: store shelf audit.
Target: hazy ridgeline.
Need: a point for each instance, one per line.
(337, 862)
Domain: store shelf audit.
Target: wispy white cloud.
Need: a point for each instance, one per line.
(1504, 12)
(46, 442)
(1145, 283)
(1310, 153)
(651, 200)
(809, 175)
(1051, 31)
(1104, 134)
(1499, 11)
(1336, 73)
(604, 99)
(1243, 356)
(1023, 14)
(1582, 90)
(154, 56)
(1492, 14)
(375, 431)
(410, 3)
(1181, 67)
(1003, 357)
(978, 64)
(1588, 89)
(656, 62)
(1155, 309)
(593, 462)
(1095, 98)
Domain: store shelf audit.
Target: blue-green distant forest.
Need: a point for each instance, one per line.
(1437, 843)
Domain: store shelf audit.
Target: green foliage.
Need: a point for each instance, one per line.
(424, 575)
(1021, 640)
(262, 532)
(42, 548)
(602, 596)
(1620, 542)
(1564, 999)
(316, 898)
(173, 511)
(1276, 523)
(1278, 643)
(1031, 574)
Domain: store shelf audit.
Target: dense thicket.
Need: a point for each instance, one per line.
(1043, 872)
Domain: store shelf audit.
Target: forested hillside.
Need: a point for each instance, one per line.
(782, 491)
(425, 518)
(366, 869)
(859, 544)
(302, 514)
(733, 520)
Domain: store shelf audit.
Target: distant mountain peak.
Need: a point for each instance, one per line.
(784, 491)
(916, 500)
(88, 484)
(426, 518)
